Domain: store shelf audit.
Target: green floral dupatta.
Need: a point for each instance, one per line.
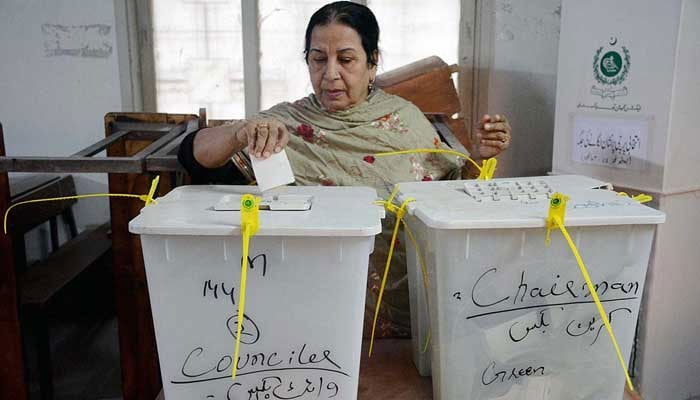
(335, 148)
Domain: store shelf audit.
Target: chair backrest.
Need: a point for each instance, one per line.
(428, 84)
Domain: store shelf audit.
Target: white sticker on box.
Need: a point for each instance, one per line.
(612, 142)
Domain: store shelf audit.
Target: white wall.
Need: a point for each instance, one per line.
(520, 42)
(59, 75)
(669, 355)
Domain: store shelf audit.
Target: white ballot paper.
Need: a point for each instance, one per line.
(273, 171)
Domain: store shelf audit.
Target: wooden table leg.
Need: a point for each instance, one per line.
(139, 358)
(11, 362)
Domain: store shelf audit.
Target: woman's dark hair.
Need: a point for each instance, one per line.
(356, 16)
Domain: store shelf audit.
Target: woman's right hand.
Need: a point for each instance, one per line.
(263, 137)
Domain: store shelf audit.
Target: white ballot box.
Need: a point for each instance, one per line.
(306, 286)
(420, 324)
(510, 317)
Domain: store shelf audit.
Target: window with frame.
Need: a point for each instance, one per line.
(201, 60)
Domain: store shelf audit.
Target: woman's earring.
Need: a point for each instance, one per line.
(370, 87)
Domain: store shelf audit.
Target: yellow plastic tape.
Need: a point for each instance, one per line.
(486, 170)
(250, 223)
(640, 198)
(152, 191)
(557, 208)
(146, 198)
(390, 207)
(400, 212)
(555, 219)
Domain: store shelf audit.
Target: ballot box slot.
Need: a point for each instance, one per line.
(286, 202)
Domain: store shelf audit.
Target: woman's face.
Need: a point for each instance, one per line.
(338, 66)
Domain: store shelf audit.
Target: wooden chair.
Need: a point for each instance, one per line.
(428, 84)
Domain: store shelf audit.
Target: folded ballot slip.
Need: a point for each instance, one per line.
(273, 171)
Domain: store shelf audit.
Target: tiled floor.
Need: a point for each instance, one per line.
(390, 373)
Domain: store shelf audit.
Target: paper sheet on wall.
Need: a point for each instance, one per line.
(609, 141)
(273, 171)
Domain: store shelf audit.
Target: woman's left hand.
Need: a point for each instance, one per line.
(493, 135)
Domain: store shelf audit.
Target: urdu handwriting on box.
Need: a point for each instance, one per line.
(291, 344)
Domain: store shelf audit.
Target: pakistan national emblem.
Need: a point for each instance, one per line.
(611, 64)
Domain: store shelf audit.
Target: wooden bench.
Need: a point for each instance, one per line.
(39, 283)
(25, 218)
(46, 278)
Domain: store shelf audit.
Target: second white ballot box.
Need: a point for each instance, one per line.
(509, 316)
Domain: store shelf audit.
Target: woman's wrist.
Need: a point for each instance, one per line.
(214, 146)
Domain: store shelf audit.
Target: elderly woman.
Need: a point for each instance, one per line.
(328, 135)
